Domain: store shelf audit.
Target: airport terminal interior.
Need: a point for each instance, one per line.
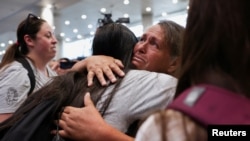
(75, 21)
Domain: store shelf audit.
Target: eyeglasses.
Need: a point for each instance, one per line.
(28, 20)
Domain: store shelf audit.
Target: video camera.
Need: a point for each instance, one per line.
(107, 19)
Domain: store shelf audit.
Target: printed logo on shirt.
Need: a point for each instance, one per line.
(12, 96)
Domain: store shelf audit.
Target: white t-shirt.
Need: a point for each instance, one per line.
(140, 94)
(15, 85)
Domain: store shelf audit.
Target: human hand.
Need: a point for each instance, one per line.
(99, 66)
(81, 123)
(54, 65)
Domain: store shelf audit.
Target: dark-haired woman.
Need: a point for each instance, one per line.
(36, 44)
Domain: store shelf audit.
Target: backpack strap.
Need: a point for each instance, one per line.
(31, 75)
(211, 105)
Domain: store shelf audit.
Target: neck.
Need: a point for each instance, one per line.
(40, 64)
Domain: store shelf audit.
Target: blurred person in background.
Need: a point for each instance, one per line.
(36, 45)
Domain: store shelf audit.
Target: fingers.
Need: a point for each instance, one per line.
(90, 77)
(107, 70)
(101, 66)
(87, 100)
(117, 68)
(66, 129)
(119, 63)
(78, 66)
(62, 133)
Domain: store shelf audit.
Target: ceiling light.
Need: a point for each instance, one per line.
(2, 52)
(175, 1)
(10, 42)
(103, 10)
(62, 34)
(125, 15)
(67, 22)
(75, 30)
(2, 45)
(126, 2)
(79, 36)
(90, 26)
(84, 16)
(148, 9)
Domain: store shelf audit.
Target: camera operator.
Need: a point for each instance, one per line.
(62, 65)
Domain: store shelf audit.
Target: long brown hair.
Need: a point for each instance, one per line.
(217, 38)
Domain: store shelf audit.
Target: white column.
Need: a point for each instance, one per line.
(47, 13)
(147, 20)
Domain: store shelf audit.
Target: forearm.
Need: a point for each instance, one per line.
(79, 66)
(4, 117)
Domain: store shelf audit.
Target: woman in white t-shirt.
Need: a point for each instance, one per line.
(36, 45)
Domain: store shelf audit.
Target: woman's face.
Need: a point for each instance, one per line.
(45, 42)
(151, 52)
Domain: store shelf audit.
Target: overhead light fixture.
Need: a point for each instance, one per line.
(75, 30)
(79, 36)
(90, 26)
(62, 34)
(148, 9)
(84, 16)
(175, 1)
(103, 10)
(126, 15)
(2, 44)
(10, 42)
(67, 22)
(126, 2)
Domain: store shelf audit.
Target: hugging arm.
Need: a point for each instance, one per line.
(100, 66)
(86, 123)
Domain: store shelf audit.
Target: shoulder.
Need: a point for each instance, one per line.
(13, 67)
(143, 73)
(14, 72)
(147, 76)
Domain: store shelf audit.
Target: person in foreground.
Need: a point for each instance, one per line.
(117, 104)
(36, 45)
(160, 43)
(214, 83)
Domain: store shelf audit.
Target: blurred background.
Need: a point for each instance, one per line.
(75, 21)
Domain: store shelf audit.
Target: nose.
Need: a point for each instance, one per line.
(140, 47)
(54, 40)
